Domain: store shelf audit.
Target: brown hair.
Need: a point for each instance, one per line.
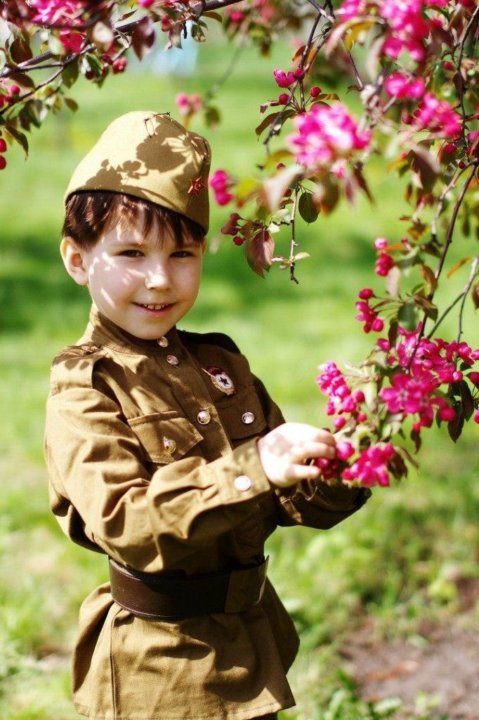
(89, 214)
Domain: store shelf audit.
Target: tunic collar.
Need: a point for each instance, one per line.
(103, 332)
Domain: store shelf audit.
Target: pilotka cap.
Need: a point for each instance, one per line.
(151, 156)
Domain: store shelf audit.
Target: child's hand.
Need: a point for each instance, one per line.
(284, 451)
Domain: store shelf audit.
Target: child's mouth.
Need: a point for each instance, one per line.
(155, 307)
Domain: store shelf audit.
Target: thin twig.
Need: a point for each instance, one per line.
(461, 297)
(294, 244)
(452, 223)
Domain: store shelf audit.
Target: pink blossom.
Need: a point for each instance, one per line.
(188, 104)
(344, 450)
(341, 398)
(400, 86)
(236, 16)
(351, 9)
(371, 468)
(380, 243)
(369, 316)
(325, 134)
(53, 12)
(220, 182)
(284, 79)
(437, 116)
(384, 263)
(71, 41)
(366, 294)
(408, 394)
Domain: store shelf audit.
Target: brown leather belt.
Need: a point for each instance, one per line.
(157, 597)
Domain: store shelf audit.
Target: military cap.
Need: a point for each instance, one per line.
(151, 156)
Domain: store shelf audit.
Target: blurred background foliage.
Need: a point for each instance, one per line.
(395, 565)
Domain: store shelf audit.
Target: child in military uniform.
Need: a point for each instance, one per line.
(167, 455)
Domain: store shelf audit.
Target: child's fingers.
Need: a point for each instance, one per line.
(295, 473)
(308, 450)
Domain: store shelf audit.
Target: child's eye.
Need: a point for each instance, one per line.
(131, 253)
(182, 253)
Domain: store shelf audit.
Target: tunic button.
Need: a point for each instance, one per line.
(203, 417)
(169, 445)
(163, 341)
(248, 418)
(243, 483)
(172, 360)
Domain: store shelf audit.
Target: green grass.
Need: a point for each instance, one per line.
(394, 560)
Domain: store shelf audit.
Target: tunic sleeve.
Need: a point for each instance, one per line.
(319, 505)
(106, 497)
(315, 504)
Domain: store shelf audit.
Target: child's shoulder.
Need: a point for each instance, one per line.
(73, 366)
(217, 339)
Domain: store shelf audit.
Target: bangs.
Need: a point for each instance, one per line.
(89, 214)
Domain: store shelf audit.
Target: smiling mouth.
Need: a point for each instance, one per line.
(154, 306)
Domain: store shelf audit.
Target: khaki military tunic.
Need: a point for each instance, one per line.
(152, 460)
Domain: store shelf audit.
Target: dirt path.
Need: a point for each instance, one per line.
(443, 674)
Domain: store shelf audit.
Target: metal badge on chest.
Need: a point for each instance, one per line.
(220, 379)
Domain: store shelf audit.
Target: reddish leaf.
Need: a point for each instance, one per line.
(425, 166)
(20, 50)
(143, 37)
(475, 295)
(260, 251)
(268, 120)
(273, 190)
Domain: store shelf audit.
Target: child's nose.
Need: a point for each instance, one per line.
(157, 278)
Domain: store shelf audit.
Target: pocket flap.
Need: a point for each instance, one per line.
(165, 437)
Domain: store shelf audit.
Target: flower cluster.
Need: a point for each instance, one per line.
(421, 366)
(421, 373)
(366, 313)
(220, 182)
(3, 149)
(286, 79)
(325, 135)
(8, 94)
(365, 465)
(372, 466)
(406, 25)
(403, 87)
(437, 116)
(384, 261)
(189, 105)
(343, 401)
(57, 12)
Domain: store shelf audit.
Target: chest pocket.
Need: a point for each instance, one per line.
(165, 437)
(242, 415)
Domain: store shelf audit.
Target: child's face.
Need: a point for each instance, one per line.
(144, 283)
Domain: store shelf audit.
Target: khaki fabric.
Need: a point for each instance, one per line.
(151, 156)
(134, 474)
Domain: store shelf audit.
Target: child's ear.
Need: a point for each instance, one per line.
(73, 260)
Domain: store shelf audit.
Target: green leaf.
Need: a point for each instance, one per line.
(71, 104)
(307, 207)
(70, 74)
(407, 316)
(18, 137)
(212, 116)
